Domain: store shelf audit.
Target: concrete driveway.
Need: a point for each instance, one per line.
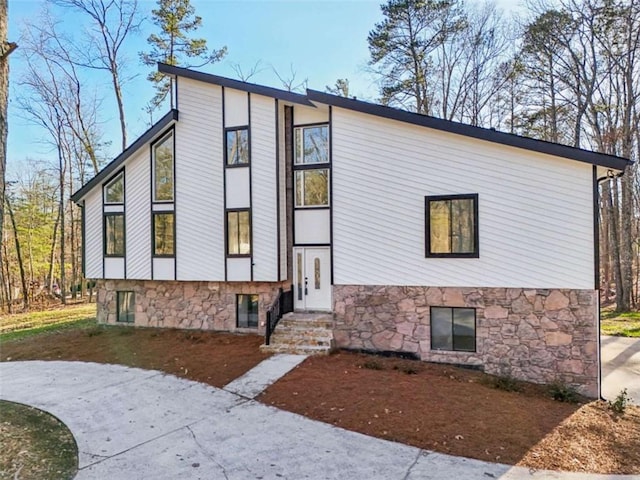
(139, 424)
(621, 367)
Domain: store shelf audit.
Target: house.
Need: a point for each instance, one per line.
(444, 241)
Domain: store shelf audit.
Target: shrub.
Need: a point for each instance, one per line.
(562, 392)
(408, 369)
(506, 383)
(619, 405)
(372, 365)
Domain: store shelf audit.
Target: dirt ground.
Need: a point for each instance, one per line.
(435, 407)
(212, 358)
(456, 411)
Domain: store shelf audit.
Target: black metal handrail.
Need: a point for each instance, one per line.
(282, 304)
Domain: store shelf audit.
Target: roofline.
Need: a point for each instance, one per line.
(236, 84)
(110, 168)
(490, 135)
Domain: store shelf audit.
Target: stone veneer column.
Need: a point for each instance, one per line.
(197, 305)
(536, 335)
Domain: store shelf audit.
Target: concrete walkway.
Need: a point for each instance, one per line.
(139, 424)
(621, 367)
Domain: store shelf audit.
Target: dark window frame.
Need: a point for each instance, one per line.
(153, 233)
(104, 235)
(302, 172)
(248, 295)
(226, 231)
(302, 127)
(128, 314)
(226, 158)
(161, 138)
(453, 337)
(476, 229)
(106, 184)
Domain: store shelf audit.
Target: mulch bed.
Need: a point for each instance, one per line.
(457, 411)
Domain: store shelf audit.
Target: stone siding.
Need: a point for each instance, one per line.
(197, 305)
(538, 335)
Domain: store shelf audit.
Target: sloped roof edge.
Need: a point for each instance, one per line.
(112, 166)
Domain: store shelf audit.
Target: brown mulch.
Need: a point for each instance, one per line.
(459, 412)
(208, 357)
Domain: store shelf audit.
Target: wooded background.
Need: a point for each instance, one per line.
(566, 72)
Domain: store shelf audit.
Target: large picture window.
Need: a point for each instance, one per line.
(238, 147)
(247, 311)
(453, 329)
(452, 226)
(312, 187)
(163, 234)
(312, 144)
(126, 307)
(114, 235)
(163, 170)
(114, 190)
(238, 233)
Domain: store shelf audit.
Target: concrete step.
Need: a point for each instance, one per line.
(303, 333)
(297, 349)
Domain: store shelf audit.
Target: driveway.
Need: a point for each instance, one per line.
(621, 367)
(139, 424)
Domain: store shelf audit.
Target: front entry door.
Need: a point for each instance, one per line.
(312, 278)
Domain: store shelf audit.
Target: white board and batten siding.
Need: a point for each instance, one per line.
(535, 210)
(199, 202)
(93, 233)
(138, 215)
(305, 115)
(283, 192)
(264, 205)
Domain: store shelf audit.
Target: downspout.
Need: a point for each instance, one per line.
(596, 258)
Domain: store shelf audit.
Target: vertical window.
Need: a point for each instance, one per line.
(163, 234)
(126, 307)
(163, 170)
(114, 190)
(247, 311)
(299, 270)
(238, 147)
(316, 273)
(114, 234)
(312, 187)
(452, 226)
(453, 329)
(238, 233)
(312, 144)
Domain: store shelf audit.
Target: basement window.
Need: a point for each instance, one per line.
(247, 311)
(453, 329)
(126, 307)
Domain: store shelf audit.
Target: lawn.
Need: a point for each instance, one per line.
(20, 325)
(625, 324)
(35, 445)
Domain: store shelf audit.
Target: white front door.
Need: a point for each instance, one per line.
(312, 278)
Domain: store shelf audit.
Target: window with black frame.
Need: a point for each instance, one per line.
(163, 234)
(238, 232)
(237, 146)
(452, 226)
(114, 234)
(126, 307)
(247, 311)
(453, 328)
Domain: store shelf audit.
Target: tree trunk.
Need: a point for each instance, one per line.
(23, 279)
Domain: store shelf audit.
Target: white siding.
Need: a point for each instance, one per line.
(236, 107)
(164, 269)
(237, 187)
(283, 193)
(138, 215)
(93, 233)
(239, 269)
(303, 115)
(114, 267)
(199, 189)
(535, 210)
(312, 226)
(264, 205)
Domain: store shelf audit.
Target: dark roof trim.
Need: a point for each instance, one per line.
(609, 161)
(147, 136)
(236, 84)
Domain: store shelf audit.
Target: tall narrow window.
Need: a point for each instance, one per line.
(247, 311)
(238, 147)
(126, 307)
(312, 187)
(453, 329)
(163, 170)
(114, 190)
(238, 233)
(163, 234)
(312, 144)
(114, 235)
(452, 226)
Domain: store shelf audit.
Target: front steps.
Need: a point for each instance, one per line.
(302, 333)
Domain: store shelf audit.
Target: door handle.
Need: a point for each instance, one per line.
(306, 285)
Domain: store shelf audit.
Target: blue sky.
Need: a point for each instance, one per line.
(321, 40)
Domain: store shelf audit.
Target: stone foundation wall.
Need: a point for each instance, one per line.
(538, 335)
(198, 305)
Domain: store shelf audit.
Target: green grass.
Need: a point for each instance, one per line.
(21, 325)
(621, 324)
(35, 444)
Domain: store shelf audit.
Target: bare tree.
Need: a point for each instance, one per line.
(290, 82)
